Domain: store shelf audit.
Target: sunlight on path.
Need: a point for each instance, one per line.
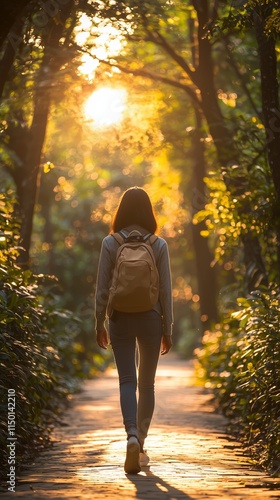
(191, 457)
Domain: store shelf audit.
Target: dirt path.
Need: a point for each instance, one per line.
(191, 457)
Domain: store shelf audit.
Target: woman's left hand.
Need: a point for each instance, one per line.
(166, 344)
(102, 338)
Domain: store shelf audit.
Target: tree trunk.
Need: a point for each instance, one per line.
(206, 273)
(8, 57)
(10, 12)
(204, 79)
(28, 187)
(28, 143)
(223, 139)
(270, 108)
(45, 200)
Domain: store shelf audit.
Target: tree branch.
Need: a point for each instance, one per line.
(242, 81)
(155, 77)
(158, 39)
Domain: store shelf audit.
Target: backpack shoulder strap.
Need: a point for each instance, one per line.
(152, 239)
(118, 238)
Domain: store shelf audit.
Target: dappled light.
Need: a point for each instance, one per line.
(190, 454)
(101, 39)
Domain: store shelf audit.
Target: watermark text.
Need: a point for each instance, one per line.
(11, 440)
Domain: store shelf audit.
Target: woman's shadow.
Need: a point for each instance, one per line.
(153, 487)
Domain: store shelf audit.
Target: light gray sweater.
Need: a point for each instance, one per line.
(105, 273)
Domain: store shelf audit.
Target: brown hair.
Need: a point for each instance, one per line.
(135, 208)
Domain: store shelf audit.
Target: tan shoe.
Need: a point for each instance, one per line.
(132, 464)
(144, 458)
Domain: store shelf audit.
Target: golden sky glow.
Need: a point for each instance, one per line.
(106, 106)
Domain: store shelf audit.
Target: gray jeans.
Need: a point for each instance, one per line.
(144, 330)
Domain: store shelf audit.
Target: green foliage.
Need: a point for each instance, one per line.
(227, 222)
(9, 229)
(273, 23)
(243, 14)
(242, 364)
(29, 362)
(40, 357)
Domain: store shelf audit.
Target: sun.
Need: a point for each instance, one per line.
(106, 106)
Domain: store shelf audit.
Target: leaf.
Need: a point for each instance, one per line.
(48, 166)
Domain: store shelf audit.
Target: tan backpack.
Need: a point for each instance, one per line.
(135, 283)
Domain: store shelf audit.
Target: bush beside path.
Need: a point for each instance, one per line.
(191, 455)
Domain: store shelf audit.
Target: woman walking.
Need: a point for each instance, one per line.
(148, 328)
